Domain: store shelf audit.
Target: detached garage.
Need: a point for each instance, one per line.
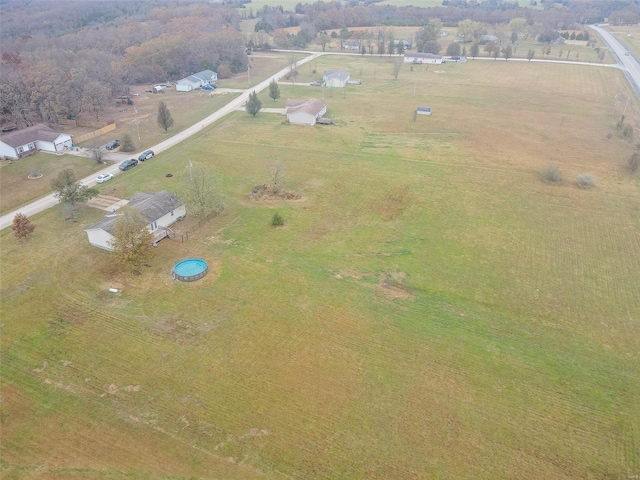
(304, 111)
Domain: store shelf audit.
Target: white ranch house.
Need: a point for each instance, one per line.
(335, 78)
(33, 139)
(161, 209)
(304, 111)
(197, 80)
(423, 58)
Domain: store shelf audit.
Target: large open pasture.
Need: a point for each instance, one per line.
(430, 309)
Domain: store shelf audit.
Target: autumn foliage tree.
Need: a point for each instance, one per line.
(22, 226)
(165, 120)
(132, 242)
(70, 192)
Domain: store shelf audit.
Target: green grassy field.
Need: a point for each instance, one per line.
(17, 189)
(430, 309)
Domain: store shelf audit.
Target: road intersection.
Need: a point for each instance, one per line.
(626, 62)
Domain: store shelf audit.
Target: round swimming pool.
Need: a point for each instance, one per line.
(190, 270)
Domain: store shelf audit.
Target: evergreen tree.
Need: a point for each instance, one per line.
(253, 104)
(274, 90)
(127, 144)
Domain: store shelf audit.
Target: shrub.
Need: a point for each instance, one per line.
(277, 220)
(586, 180)
(551, 174)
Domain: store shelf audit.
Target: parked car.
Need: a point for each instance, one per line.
(112, 145)
(315, 84)
(127, 164)
(208, 87)
(105, 177)
(146, 155)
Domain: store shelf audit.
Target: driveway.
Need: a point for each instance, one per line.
(49, 200)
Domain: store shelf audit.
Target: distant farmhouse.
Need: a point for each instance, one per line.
(161, 209)
(304, 111)
(488, 38)
(335, 78)
(21, 143)
(423, 58)
(406, 44)
(197, 80)
(352, 45)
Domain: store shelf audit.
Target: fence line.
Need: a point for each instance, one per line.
(96, 133)
(184, 236)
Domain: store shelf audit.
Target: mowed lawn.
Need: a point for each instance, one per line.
(430, 309)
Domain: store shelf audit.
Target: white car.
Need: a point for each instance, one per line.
(105, 177)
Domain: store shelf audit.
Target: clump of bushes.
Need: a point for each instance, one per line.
(277, 220)
(551, 174)
(586, 180)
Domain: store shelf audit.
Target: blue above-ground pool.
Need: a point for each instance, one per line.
(190, 270)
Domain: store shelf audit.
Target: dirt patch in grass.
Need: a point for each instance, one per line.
(390, 285)
(177, 329)
(264, 192)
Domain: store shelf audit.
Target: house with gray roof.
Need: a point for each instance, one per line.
(197, 80)
(335, 78)
(423, 58)
(304, 111)
(160, 209)
(21, 143)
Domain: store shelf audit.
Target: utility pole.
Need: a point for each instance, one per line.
(135, 112)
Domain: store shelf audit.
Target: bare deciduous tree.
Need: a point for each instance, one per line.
(96, 98)
(397, 65)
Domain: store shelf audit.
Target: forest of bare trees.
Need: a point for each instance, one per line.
(63, 58)
(70, 57)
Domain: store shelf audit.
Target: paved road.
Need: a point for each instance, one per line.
(629, 62)
(49, 200)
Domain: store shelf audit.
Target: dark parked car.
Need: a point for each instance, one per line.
(112, 145)
(127, 164)
(146, 155)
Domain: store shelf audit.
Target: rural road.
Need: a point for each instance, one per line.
(625, 62)
(628, 61)
(49, 200)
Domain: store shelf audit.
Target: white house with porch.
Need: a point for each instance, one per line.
(423, 58)
(160, 209)
(197, 80)
(31, 140)
(304, 111)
